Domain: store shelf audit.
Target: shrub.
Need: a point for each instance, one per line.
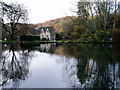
(90, 39)
(29, 38)
(44, 39)
(116, 35)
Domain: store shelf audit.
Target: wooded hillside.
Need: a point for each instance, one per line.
(57, 23)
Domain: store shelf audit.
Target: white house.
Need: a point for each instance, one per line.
(50, 33)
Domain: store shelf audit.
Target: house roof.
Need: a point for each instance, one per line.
(51, 29)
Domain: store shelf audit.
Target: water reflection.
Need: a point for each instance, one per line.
(76, 65)
(46, 47)
(15, 65)
(97, 65)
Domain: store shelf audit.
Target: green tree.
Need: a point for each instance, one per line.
(98, 16)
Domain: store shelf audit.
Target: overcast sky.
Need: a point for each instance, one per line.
(44, 10)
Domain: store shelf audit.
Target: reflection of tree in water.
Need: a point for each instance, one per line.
(69, 69)
(107, 76)
(15, 66)
(97, 66)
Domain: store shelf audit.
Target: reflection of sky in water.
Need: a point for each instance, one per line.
(54, 71)
(71, 69)
(45, 72)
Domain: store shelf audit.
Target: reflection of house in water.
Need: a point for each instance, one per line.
(45, 47)
(48, 47)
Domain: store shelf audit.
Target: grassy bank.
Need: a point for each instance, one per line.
(58, 41)
(8, 41)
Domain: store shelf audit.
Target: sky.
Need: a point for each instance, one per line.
(44, 10)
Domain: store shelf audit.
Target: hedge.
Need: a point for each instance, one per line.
(29, 38)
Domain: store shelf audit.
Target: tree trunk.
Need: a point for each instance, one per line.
(12, 31)
(115, 14)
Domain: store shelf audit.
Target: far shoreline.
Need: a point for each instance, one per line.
(58, 41)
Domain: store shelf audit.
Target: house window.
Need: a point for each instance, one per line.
(47, 38)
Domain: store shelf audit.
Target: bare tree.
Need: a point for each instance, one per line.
(14, 14)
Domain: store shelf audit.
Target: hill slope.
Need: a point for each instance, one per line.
(57, 23)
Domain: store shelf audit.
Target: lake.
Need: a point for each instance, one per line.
(60, 65)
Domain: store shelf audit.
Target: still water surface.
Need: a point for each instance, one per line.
(60, 66)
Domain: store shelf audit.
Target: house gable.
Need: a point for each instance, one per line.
(47, 32)
(50, 33)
